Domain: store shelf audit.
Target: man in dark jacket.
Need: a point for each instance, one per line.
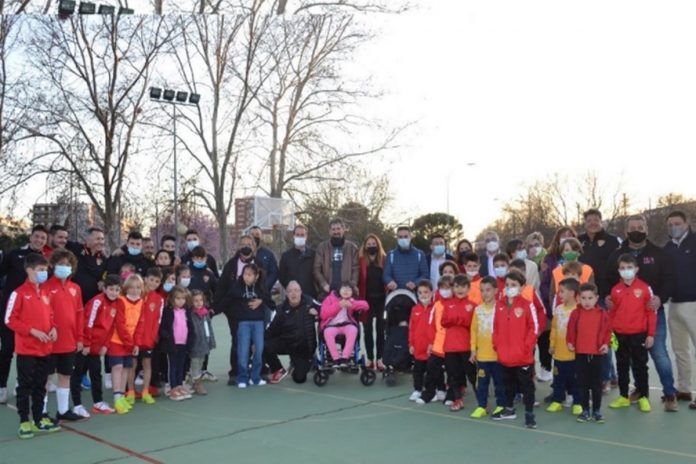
(597, 246)
(192, 241)
(133, 254)
(656, 269)
(292, 332)
(265, 258)
(13, 272)
(91, 263)
(336, 260)
(438, 255)
(682, 307)
(297, 263)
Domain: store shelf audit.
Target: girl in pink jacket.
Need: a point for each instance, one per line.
(338, 317)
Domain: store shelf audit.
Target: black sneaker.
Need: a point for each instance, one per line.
(68, 416)
(529, 421)
(505, 414)
(598, 418)
(584, 417)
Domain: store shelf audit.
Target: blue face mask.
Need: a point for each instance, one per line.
(134, 251)
(41, 276)
(439, 250)
(191, 244)
(199, 264)
(167, 287)
(62, 271)
(404, 243)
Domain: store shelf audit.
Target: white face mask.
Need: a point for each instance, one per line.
(501, 272)
(471, 274)
(628, 274)
(445, 293)
(493, 246)
(424, 301)
(300, 241)
(521, 254)
(512, 292)
(537, 250)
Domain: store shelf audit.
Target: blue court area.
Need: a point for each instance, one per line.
(345, 422)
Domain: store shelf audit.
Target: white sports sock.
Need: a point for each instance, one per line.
(63, 397)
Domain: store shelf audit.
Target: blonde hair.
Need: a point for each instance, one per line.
(134, 279)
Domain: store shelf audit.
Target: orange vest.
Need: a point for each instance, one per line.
(558, 276)
(132, 316)
(475, 292)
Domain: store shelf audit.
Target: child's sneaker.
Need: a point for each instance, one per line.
(81, 411)
(449, 403)
(130, 397)
(598, 418)
(167, 389)
(154, 391)
(529, 420)
(583, 417)
(576, 410)
(568, 401)
(644, 404)
(69, 416)
(544, 375)
(86, 383)
(102, 408)
(555, 407)
(209, 377)
(498, 409)
(107, 382)
(260, 383)
(620, 402)
(278, 375)
(505, 414)
(176, 395)
(45, 425)
(414, 396)
(25, 431)
(147, 398)
(241, 385)
(420, 401)
(479, 413)
(457, 405)
(440, 395)
(122, 406)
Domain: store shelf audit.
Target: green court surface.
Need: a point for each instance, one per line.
(345, 422)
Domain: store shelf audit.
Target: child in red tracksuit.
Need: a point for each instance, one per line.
(150, 324)
(418, 336)
(589, 335)
(30, 316)
(456, 318)
(634, 324)
(514, 337)
(100, 312)
(68, 315)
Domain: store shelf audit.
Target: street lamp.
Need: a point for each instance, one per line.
(175, 98)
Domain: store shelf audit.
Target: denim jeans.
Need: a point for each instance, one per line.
(660, 355)
(248, 333)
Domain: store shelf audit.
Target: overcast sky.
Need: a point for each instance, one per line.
(523, 89)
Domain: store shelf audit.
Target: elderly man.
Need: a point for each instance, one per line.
(292, 332)
(656, 269)
(492, 244)
(297, 263)
(336, 260)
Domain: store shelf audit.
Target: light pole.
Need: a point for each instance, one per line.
(175, 98)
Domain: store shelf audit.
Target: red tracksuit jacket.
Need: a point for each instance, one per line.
(514, 332)
(456, 318)
(631, 314)
(29, 308)
(419, 331)
(68, 314)
(100, 313)
(588, 330)
(150, 318)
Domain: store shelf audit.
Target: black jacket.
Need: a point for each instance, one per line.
(166, 332)
(12, 270)
(210, 261)
(655, 267)
(295, 326)
(90, 270)
(222, 300)
(299, 266)
(684, 258)
(141, 263)
(203, 280)
(240, 294)
(596, 254)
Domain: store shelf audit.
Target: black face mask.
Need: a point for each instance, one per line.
(245, 251)
(637, 236)
(337, 241)
(372, 251)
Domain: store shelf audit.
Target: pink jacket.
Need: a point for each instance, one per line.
(331, 306)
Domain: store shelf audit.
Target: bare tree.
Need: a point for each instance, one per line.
(93, 78)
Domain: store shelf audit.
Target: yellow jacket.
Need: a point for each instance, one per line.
(559, 328)
(482, 333)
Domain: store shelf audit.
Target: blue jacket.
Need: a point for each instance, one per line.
(684, 260)
(267, 260)
(403, 266)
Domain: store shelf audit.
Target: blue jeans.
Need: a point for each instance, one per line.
(248, 333)
(564, 381)
(660, 355)
(485, 372)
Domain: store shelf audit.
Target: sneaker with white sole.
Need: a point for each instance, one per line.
(3, 395)
(241, 385)
(260, 383)
(102, 408)
(420, 400)
(544, 376)
(440, 395)
(107, 382)
(568, 401)
(449, 403)
(414, 396)
(209, 377)
(81, 411)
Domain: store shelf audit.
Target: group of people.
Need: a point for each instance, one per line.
(144, 316)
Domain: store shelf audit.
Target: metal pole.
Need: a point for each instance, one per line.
(176, 193)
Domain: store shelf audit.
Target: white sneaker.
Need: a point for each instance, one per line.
(544, 376)
(81, 411)
(241, 385)
(449, 403)
(107, 382)
(420, 400)
(139, 379)
(209, 377)
(3, 395)
(260, 383)
(440, 395)
(103, 408)
(167, 389)
(414, 396)
(568, 401)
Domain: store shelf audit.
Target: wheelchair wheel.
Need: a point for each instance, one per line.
(367, 377)
(320, 378)
(390, 379)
